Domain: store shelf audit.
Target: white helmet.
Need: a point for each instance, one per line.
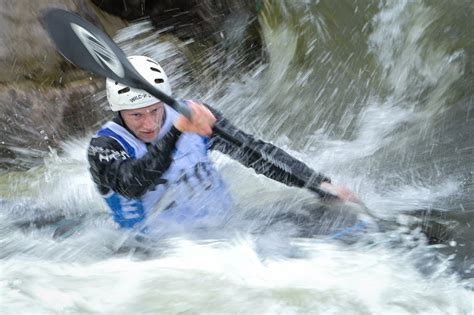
(122, 97)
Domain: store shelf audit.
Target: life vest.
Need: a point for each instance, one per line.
(194, 191)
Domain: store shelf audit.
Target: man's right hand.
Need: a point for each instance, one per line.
(202, 120)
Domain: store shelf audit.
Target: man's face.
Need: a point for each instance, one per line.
(144, 122)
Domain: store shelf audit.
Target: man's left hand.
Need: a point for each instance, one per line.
(343, 193)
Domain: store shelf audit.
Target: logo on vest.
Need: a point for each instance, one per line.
(107, 155)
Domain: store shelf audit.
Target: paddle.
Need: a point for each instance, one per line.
(89, 48)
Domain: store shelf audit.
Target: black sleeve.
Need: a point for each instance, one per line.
(263, 157)
(113, 169)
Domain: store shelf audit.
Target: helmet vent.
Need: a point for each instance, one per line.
(149, 60)
(159, 81)
(155, 69)
(124, 90)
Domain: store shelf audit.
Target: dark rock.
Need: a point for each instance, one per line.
(32, 121)
(26, 53)
(127, 9)
(227, 27)
(44, 99)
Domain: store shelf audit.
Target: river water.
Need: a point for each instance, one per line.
(377, 95)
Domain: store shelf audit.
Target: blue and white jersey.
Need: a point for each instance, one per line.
(192, 191)
(173, 182)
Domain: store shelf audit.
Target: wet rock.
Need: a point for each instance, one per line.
(126, 9)
(26, 53)
(200, 18)
(33, 120)
(44, 99)
(227, 27)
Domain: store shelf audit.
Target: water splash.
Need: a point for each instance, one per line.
(361, 95)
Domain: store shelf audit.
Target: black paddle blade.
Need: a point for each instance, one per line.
(86, 46)
(89, 48)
